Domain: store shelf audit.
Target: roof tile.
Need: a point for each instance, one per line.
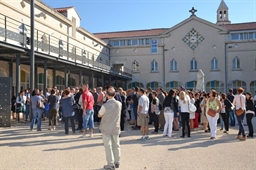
(240, 26)
(63, 9)
(130, 34)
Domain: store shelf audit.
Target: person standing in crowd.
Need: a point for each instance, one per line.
(204, 120)
(225, 111)
(161, 97)
(254, 99)
(170, 106)
(110, 129)
(155, 111)
(135, 106)
(239, 102)
(192, 115)
(249, 113)
(184, 109)
(129, 101)
(100, 101)
(27, 94)
(37, 112)
(14, 106)
(176, 115)
(198, 110)
(149, 94)
(213, 104)
(143, 114)
(95, 108)
(120, 92)
(87, 102)
(230, 97)
(53, 102)
(21, 104)
(78, 112)
(68, 112)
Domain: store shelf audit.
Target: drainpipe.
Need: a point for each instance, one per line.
(226, 67)
(164, 86)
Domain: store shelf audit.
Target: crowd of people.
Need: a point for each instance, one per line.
(141, 107)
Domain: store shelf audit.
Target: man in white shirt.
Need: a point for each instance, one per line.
(143, 114)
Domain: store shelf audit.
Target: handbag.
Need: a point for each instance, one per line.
(240, 111)
(191, 107)
(211, 112)
(40, 104)
(75, 106)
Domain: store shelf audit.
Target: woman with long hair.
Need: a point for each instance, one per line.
(203, 118)
(192, 115)
(239, 102)
(225, 110)
(170, 106)
(249, 113)
(198, 109)
(184, 109)
(213, 107)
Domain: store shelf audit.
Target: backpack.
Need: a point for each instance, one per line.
(160, 106)
(172, 104)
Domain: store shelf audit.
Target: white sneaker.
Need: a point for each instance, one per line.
(83, 136)
(91, 135)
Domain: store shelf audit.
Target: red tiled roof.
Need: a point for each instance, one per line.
(63, 9)
(240, 26)
(132, 33)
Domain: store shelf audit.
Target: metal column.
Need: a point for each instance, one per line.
(45, 77)
(17, 74)
(109, 81)
(116, 83)
(35, 78)
(81, 77)
(92, 81)
(125, 84)
(32, 54)
(10, 69)
(66, 76)
(54, 78)
(102, 81)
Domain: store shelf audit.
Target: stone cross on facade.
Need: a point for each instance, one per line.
(193, 11)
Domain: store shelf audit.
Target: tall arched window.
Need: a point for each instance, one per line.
(173, 65)
(214, 64)
(236, 84)
(135, 66)
(173, 85)
(216, 85)
(191, 85)
(135, 84)
(193, 64)
(253, 87)
(154, 85)
(60, 82)
(236, 63)
(154, 66)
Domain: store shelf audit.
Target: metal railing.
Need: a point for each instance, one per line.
(17, 33)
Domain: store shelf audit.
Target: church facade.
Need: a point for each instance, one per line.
(171, 57)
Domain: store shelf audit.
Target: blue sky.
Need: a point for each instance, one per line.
(120, 15)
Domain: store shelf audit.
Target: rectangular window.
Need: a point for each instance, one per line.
(234, 36)
(129, 43)
(241, 36)
(245, 36)
(134, 42)
(141, 41)
(153, 46)
(122, 43)
(147, 41)
(116, 43)
(250, 35)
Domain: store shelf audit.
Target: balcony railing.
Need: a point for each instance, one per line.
(17, 33)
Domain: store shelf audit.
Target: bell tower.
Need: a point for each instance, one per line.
(222, 14)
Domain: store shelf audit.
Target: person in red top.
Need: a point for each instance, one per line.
(88, 112)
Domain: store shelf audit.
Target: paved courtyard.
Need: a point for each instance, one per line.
(22, 149)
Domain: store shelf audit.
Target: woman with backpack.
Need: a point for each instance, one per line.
(225, 110)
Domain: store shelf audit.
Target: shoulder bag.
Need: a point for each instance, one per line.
(240, 111)
(191, 107)
(40, 104)
(211, 112)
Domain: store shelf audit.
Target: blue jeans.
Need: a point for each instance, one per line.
(37, 113)
(240, 120)
(88, 119)
(135, 111)
(232, 118)
(27, 111)
(96, 110)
